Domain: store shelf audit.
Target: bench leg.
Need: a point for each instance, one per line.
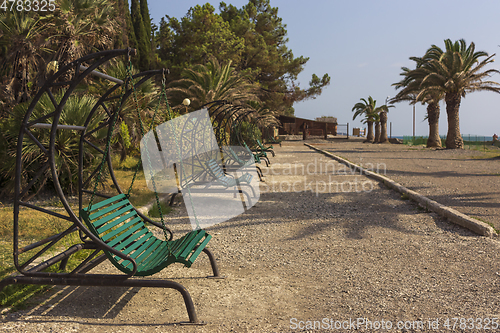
(259, 173)
(172, 199)
(213, 263)
(253, 191)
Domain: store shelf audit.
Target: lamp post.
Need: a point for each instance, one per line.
(386, 99)
(186, 103)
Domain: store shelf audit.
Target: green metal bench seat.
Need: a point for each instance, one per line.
(258, 155)
(274, 140)
(265, 149)
(116, 222)
(233, 156)
(216, 171)
(252, 161)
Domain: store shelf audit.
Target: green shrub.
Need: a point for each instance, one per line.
(165, 209)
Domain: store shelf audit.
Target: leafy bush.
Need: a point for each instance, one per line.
(154, 212)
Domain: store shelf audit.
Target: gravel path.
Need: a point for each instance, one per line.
(345, 248)
(460, 179)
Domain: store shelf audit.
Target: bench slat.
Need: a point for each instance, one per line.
(100, 221)
(188, 248)
(199, 249)
(124, 226)
(121, 234)
(107, 201)
(146, 251)
(108, 209)
(121, 243)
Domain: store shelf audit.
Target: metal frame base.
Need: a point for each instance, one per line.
(113, 280)
(108, 281)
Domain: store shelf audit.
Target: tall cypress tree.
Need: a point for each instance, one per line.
(140, 33)
(145, 17)
(132, 40)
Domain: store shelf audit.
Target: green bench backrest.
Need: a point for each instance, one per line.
(216, 171)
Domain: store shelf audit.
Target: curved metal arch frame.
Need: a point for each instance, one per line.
(238, 122)
(191, 136)
(99, 59)
(234, 119)
(197, 179)
(217, 116)
(224, 116)
(96, 60)
(231, 119)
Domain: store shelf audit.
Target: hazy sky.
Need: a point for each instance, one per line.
(362, 45)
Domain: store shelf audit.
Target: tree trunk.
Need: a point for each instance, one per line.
(434, 141)
(383, 128)
(453, 138)
(377, 132)
(369, 136)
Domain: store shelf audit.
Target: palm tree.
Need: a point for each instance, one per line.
(82, 26)
(23, 37)
(410, 85)
(211, 82)
(457, 72)
(75, 112)
(382, 112)
(376, 120)
(367, 109)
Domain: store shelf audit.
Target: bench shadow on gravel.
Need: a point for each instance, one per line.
(88, 305)
(86, 302)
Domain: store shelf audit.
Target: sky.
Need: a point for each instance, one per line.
(362, 45)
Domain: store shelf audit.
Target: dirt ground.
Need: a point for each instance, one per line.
(319, 252)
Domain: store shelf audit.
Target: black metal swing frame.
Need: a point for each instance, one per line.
(32, 272)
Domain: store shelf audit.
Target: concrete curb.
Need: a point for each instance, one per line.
(145, 209)
(452, 215)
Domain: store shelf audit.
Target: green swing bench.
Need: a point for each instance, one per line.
(258, 155)
(252, 161)
(265, 149)
(116, 222)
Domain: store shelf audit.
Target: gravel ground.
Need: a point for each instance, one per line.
(317, 247)
(460, 179)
